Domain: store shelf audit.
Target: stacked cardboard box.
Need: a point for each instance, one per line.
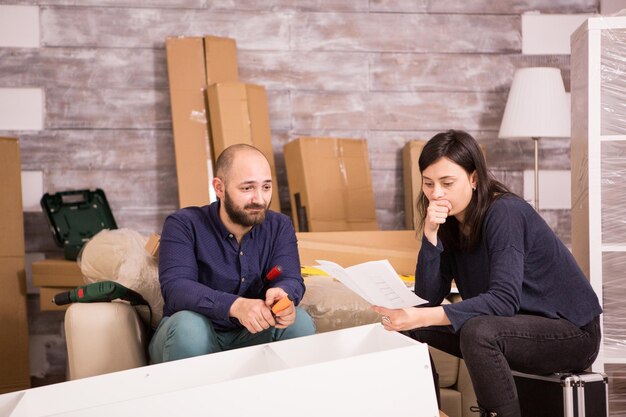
(14, 368)
(186, 71)
(203, 75)
(400, 247)
(53, 276)
(239, 114)
(330, 184)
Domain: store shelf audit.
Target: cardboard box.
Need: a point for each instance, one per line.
(153, 244)
(12, 221)
(229, 115)
(400, 247)
(412, 179)
(330, 184)
(186, 73)
(54, 276)
(347, 370)
(14, 367)
(239, 114)
(220, 59)
(191, 64)
(57, 273)
(14, 358)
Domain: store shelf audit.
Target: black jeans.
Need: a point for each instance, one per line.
(492, 346)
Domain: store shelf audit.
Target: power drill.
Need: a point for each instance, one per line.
(99, 291)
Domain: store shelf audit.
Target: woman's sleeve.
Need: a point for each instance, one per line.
(432, 273)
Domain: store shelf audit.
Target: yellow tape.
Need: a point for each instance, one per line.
(311, 270)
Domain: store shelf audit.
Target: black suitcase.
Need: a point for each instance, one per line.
(569, 395)
(75, 217)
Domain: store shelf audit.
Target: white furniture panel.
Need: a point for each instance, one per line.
(344, 373)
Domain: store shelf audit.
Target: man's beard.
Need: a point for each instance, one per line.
(240, 217)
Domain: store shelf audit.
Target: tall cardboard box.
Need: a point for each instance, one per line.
(14, 368)
(330, 185)
(220, 59)
(239, 114)
(192, 64)
(412, 180)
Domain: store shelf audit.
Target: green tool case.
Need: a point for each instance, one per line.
(75, 217)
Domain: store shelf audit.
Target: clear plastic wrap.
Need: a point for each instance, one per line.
(599, 183)
(119, 255)
(613, 155)
(613, 184)
(613, 84)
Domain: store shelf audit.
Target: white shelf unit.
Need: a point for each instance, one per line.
(598, 156)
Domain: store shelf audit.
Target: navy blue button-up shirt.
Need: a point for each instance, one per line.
(203, 269)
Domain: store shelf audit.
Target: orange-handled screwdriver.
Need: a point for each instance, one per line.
(281, 304)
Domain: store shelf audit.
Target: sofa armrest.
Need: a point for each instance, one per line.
(103, 338)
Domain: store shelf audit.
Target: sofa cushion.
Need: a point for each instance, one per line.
(447, 367)
(333, 306)
(119, 255)
(451, 402)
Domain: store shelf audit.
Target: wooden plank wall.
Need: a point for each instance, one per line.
(385, 70)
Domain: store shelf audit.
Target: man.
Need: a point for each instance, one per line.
(213, 266)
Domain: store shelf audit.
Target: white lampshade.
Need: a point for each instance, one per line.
(537, 105)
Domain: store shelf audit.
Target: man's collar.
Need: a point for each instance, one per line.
(224, 232)
(215, 213)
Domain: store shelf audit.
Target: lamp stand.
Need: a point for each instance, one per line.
(536, 140)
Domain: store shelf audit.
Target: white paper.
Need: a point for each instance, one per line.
(376, 282)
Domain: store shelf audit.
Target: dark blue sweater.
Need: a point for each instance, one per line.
(519, 267)
(203, 269)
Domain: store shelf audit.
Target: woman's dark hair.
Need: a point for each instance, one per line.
(461, 148)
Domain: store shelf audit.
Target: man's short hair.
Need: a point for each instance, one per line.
(225, 160)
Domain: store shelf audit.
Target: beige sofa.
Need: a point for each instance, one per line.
(109, 337)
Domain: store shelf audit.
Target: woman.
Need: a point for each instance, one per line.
(526, 305)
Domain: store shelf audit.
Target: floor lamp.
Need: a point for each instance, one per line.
(537, 107)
